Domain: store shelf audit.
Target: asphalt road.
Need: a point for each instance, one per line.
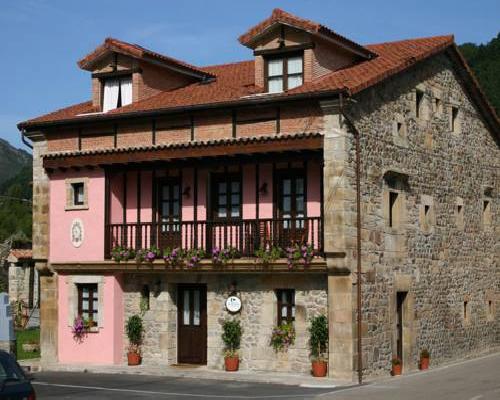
(472, 380)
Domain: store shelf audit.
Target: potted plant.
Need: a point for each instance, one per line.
(231, 336)
(283, 337)
(134, 329)
(424, 359)
(396, 366)
(268, 254)
(318, 341)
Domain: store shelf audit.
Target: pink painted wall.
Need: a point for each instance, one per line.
(104, 347)
(92, 248)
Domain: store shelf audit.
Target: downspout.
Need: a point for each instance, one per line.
(25, 141)
(358, 234)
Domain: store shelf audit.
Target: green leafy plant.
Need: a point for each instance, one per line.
(267, 254)
(193, 257)
(224, 255)
(120, 253)
(424, 353)
(134, 329)
(231, 336)
(318, 339)
(174, 257)
(283, 337)
(297, 253)
(396, 361)
(148, 255)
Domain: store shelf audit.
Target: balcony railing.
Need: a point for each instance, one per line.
(246, 236)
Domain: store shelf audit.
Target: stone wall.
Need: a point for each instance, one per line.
(258, 317)
(444, 265)
(19, 282)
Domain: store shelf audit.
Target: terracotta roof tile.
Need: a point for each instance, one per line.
(21, 254)
(136, 51)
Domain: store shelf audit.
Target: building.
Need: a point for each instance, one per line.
(295, 145)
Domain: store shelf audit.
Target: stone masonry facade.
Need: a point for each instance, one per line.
(258, 317)
(445, 264)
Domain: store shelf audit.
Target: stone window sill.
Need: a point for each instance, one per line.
(76, 208)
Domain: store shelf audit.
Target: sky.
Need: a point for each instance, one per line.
(43, 39)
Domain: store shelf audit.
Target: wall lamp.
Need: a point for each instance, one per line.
(263, 188)
(187, 191)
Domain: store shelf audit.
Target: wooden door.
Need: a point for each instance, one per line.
(400, 298)
(292, 208)
(169, 207)
(192, 323)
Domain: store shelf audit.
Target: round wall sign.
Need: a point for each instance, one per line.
(76, 232)
(233, 304)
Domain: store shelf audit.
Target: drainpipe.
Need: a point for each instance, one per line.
(25, 141)
(358, 234)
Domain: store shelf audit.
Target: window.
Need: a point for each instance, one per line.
(486, 213)
(454, 120)
(490, 313)
(286, 305)
(419, 103)
(78, 194)
(117, 93)
(466, 311)
(292, 200)
(88, 301)
(427, 214)
(227, 197)
(284, 73)
(459, 213)
(169, 203)
(438, 106)
(393, 198)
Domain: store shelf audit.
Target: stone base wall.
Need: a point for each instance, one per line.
(19, 283)
(258, 316)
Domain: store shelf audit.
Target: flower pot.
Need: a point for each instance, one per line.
(319, 368)
(424, 363)
(133, 358)
(231, 363)
(396, 369)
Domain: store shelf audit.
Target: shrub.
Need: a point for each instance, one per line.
(120, 253)
(396, 361)
(424, 353)
(134, 329)
(318, 340)
(283, 337)
(231, 336)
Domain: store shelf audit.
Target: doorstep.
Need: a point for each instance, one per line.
(202, 372)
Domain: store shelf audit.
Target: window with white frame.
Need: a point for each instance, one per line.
(284, 73)
(117, 92)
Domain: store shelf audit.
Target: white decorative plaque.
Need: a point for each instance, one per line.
(233, 304)
(76, 232)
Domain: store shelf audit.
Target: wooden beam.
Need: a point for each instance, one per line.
(284, 49)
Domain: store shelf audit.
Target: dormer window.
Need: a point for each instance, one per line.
(284, 73)
(117, 92)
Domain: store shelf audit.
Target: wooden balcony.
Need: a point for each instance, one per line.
(245, 236)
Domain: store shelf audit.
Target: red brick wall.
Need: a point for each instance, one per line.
(173, 130)
(97, 142)
(213, 125)
(301, 118)
(62, 141)
(247, 128)
(134, 135)
(326, 57)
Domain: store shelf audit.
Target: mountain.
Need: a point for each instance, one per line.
(484, 59)
(11, 160)
(15, 184)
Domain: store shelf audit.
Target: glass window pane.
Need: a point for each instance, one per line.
(283, 312)
(294, 81)
(275, 67)
(222, 187)
(235, 187)
(126, 90)
(165, 192)
(222, 199)
(222, 212)
(79, 194)
(295, 65)
(164, 208)
(176, 208)
(185, 311)
(85, 304)
(176, 192)
(293, 312)
(196, 307)
(299, 203)
(275, 85)
(235, 212)
(286, 204)
(284, 299)
(287, 185)
(299, 186)
(85, 315)
(235, 199)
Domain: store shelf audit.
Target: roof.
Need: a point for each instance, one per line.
(138, 52)
(17, 255)
(234, 83)
(279, 16)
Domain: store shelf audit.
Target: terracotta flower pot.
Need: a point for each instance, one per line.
(133, 359)
(396, 369)
(231, 363)
(319, 368)
(424, 363)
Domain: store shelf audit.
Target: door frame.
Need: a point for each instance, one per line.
(203, 318)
